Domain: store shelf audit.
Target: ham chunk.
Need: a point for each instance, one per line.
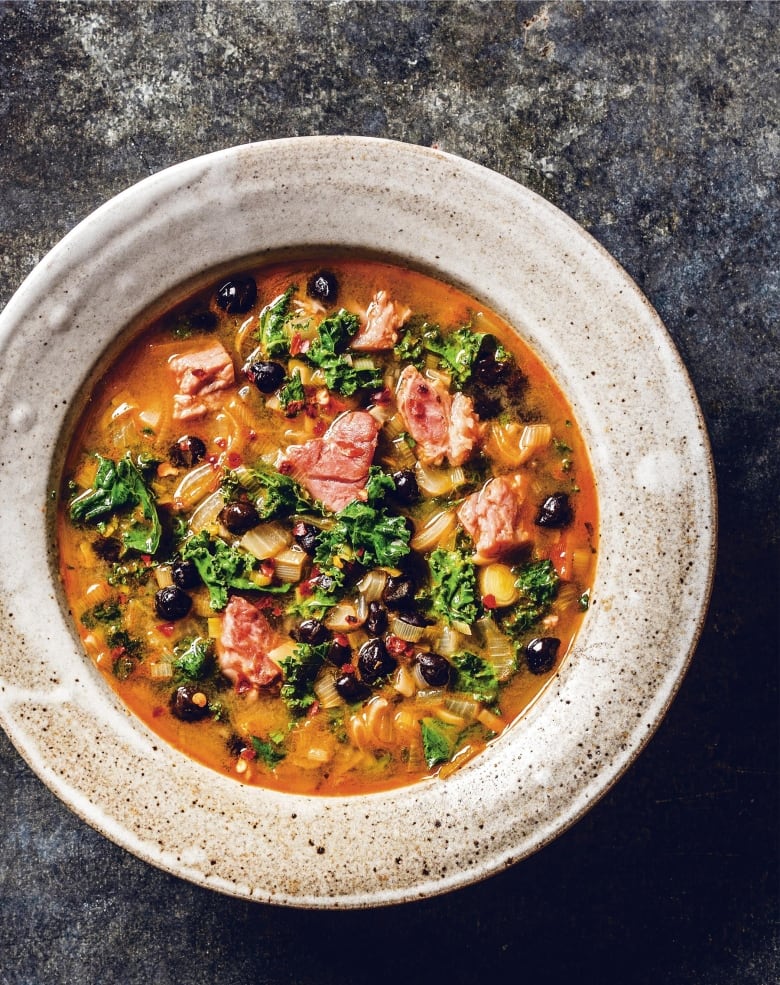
(199, 376)
(443, 426)
(379, 328)
(334, 468)
(244, 644)
(492, 517)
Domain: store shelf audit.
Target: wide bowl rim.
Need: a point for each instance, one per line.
(376, 157)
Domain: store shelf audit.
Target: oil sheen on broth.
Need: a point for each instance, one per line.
(327, 526)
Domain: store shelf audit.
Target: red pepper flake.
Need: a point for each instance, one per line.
(397, 647)
(489, 601)
(341, 639)
(314, 709)
(157, 711)
(220, 442)
(284, 468)
(146, 559)
(319, 427)
(252, 434)
(248, 754)
(347, 668)
(234, 460)
(267, 568)
(312, 409)
(166, 628)
(122, 598)
(306, 588)
(117, 652)
(213, 460)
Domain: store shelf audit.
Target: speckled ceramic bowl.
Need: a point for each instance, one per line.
(575, 306)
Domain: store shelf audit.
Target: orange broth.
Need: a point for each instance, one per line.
(305, 730)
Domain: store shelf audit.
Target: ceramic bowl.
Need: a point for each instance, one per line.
(573, 304)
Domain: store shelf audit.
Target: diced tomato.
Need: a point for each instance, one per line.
(397, 647)
(166, 628)
(234, 460)
(489, 601)
(248, 753)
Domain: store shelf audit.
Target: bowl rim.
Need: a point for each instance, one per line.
(381, 166)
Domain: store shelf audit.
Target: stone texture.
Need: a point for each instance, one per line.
(656, 127)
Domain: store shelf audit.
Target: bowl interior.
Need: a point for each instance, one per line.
(632, 398)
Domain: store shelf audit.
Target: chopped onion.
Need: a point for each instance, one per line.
(534, 438)
(372, 585)
(267, 540)
(207, 512)
(408, 632)
(161, 670)
(195, 485)
(434, 531)
(500, 654)
(405, 682)
(491, 721)
(438, 482)
(581, 558)
(325, 689)
(498, 580)
(163, 576)
(465, 708)
(449, 641)
(289, 565)
(345, 617)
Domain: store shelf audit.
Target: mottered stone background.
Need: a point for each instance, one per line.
(655, 126)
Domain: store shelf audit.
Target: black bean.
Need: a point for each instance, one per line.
(239, 517)
(187, 451)
(311, 631)
(189, 703)
(487, 369)
(237, 295)
(172, 603)
(555, 512)
(376, 623)
(406, 489)
(339, 651)
(266, 376)
(398, 592)
(323, 286)
(541, 654)
(351, 688)
(306, 537)
(374, 661)
(434, 670)
(185, 574)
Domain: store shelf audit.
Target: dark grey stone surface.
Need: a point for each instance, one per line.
(655, 125)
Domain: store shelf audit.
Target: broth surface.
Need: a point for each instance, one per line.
(328, 526)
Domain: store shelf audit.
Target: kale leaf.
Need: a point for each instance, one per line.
(327, 353)
(475, 676)
(454, 586)
(456, 351)
(272, 333)
(268, 751)
(361, 533)
(439, 740)
(292, 395)
(300, 671)
(220, 566)
(194, 658)
(117, 486)
(538, 585)
(273, 494)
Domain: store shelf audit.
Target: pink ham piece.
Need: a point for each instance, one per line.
(334, 468)
(244, 644)
(443, 426)
(492, 517)
(379, 328)
(199, 376)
